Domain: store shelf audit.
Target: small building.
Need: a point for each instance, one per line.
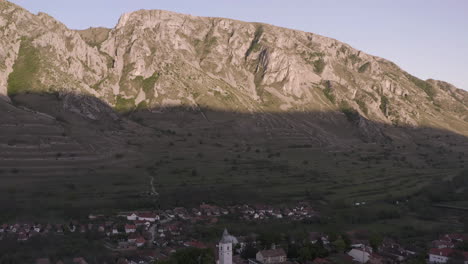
(132, 217)
(271, 256)
(140, 241)
(130, 228)
(148, 216)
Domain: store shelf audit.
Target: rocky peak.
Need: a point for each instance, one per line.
(155, 58)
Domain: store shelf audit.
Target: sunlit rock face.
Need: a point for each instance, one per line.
(155, 58)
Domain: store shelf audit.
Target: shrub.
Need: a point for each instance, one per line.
(362, 106)
(384, 104)
(350, 113)
(319, 66)
(354, 58)
(255, 44)
(149, 82)
(328, 92)
(364, 67)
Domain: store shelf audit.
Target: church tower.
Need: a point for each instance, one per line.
(225, 248)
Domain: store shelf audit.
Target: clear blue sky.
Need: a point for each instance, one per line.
(428, 38)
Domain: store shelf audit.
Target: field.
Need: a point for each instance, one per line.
(56, 163)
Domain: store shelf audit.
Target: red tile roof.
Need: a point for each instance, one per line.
(441, 251)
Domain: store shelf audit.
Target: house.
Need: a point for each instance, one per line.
(442, 244)
(453, 237)
(440, 255)
(140, 241)
(37, 228)
(392, 250)
(360, 255)
(132, 217)
(314, 237)
(130, 228)
(148, 216)
(443, 255)
(22, 236)
(271, 256)
(195, 244)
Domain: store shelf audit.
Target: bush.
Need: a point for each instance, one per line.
(255, 44)
(350, 113)
(362, 106)
(384, 104)
(319, 65)
(364, 67)
(328, 92)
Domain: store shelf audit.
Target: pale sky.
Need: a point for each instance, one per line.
(427, 38)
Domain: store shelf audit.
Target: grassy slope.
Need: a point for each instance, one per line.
(25, 70)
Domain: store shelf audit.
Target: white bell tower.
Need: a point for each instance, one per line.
(225, 249)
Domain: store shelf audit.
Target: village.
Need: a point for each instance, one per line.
(151, 236)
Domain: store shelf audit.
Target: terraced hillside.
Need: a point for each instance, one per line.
(210, 109)
(55, 158)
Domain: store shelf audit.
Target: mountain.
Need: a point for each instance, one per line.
(161, 90)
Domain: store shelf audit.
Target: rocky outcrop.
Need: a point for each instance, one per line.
(155, 58)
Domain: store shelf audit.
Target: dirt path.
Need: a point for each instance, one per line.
(153, 190)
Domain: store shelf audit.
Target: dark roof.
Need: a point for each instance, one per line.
(273, 253)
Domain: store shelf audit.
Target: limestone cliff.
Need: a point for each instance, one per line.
(155, 59)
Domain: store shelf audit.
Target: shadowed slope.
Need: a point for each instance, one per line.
(75, 155)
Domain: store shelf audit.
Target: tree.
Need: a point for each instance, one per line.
(249, 251)
(375, 241)
(340, 245)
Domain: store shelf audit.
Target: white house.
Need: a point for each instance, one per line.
(147, 216)
(132, 217)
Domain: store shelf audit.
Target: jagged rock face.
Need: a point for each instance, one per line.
(154, 59)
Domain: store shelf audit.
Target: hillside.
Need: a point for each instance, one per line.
(211, 108)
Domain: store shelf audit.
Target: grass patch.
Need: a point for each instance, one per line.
(384, 102)
(423, 85)
(319, 66)
(123, 104)
(148, 83)
(203, 47)
(354, 58)
(328, 92)
(25, 69)
(350, 113)
(255, 44)
(362, 105)
(364, 67)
